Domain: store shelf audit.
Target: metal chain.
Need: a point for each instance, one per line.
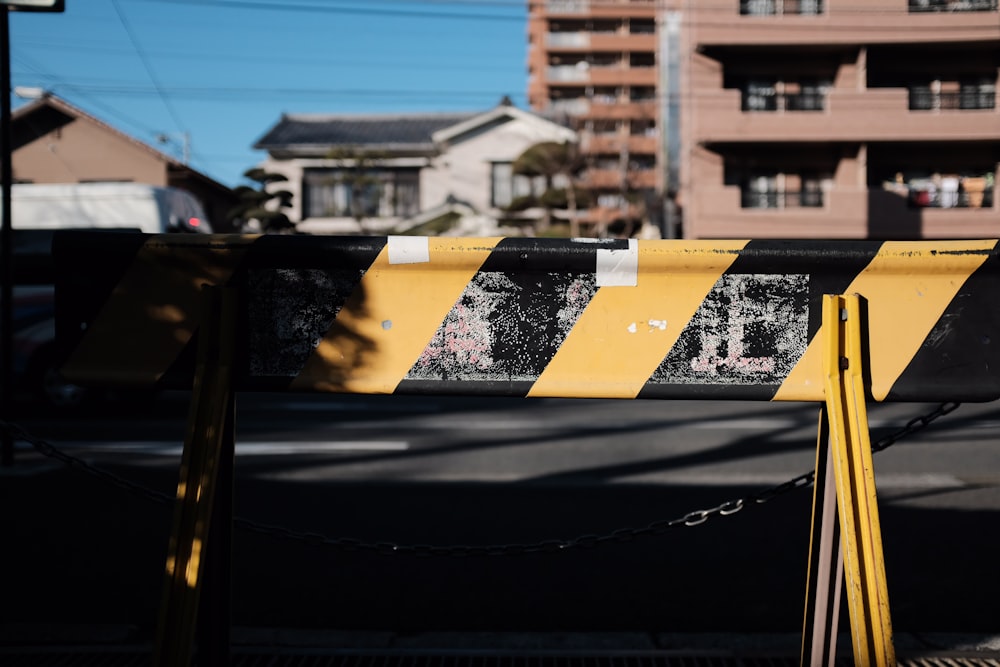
(47, 449)
(694, 518)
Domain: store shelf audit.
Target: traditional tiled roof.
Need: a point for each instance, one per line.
(409, 130)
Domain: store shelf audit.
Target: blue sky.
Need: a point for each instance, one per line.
(223, 71)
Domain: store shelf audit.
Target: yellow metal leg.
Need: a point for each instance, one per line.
(205, 446)
(861, 537)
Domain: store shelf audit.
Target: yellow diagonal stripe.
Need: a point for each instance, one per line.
(390, 318)
(908, 285)
(625, 332)
(155, 309)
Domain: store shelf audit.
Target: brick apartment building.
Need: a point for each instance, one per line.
(593, 64)
(786, 118)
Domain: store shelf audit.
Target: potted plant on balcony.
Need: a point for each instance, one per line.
(975, 190)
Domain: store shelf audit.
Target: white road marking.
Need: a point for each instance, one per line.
(171, 448)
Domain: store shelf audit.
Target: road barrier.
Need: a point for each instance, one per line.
(835, 322)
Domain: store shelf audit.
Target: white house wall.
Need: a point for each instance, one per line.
(465, 165)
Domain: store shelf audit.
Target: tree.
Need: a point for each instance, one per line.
(558, 163)
(262, 207)
(357, 169)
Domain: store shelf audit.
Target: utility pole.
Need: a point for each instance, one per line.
(6, 233)
(6, 239)
(164, 138)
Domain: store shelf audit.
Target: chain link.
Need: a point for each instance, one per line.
(694, 518)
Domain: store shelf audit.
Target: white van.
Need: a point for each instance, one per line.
(146, 208)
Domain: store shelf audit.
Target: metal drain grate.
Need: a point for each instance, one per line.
(68, 657)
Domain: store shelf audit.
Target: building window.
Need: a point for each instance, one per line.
(978, 94)
(760, 95)
(639, 26)
(952, 6)
(641, 60)
(778, 190)
(811, 97)
(374, 193)
(642, 93)
(775, 7)
(773, 95)
(952, 95)
(642, 127)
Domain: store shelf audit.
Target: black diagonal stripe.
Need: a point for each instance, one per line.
(959, 358)
(831, 266)
(758, 319)
(88, 266)
(511, 318)
(295, 287)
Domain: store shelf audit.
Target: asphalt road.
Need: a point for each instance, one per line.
(80, 547)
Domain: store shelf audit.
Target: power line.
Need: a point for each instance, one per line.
(54, 82)
(238, 92)
(335, 7)
(328, 9)
(148, 66)
(742, 21)
(215, 57)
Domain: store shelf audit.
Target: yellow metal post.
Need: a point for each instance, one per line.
(861, 538)
(207, 444)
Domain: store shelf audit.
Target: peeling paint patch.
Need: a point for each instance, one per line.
(750, 329)
(505, 327)
(288, 313)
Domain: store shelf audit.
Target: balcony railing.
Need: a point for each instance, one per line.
(917, 6)
(922, 100)
(567, 74)
(571, 107)
(778, 7)
(774, 199)
(567, 40)
(567, 6)
(784, 102)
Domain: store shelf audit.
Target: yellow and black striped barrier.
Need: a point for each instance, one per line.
(835, 322)
(533, 317)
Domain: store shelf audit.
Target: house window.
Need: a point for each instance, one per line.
(374, 193)
(502, 183)
(506, 186)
